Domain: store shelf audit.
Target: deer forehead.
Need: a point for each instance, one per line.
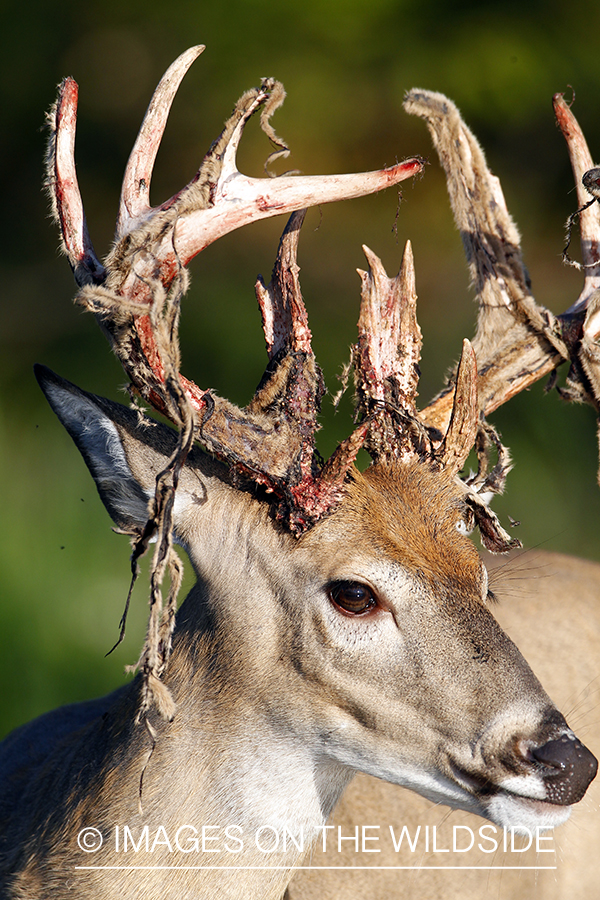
(410, 515)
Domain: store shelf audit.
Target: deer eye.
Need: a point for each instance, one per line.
(352, 597)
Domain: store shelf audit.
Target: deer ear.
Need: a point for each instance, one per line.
(123, 449)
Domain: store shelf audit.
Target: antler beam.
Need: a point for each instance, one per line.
(136, 293)
(517, 341)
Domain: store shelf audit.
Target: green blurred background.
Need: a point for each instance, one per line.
(345, 64)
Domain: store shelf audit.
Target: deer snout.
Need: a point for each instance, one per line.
(528, 782)
(546, 776)
(567, 768)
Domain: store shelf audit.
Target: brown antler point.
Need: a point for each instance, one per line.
(377, 269)
(464, 419)
(406, 276)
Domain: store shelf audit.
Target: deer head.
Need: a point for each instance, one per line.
(340, 621)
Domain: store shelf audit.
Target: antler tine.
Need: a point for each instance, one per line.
(284, 318)
(466, 430)
(241, 200)
(517, 341)
(386, 363)
(63, 188)
(589, 211)
(464, 421)
(587, 179)
(293, 387)
(135, 190)
(293, 383)
(386, 358)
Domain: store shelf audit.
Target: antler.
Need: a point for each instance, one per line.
(386, 370)
(518, 341)
(386, 364)
(587, 361)
(136, 294)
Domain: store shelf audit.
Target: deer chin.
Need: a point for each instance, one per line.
(519, 802)
(524, 814)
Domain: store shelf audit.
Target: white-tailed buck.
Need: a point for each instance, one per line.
(341, 621)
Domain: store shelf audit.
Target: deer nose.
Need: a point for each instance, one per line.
(570, 767)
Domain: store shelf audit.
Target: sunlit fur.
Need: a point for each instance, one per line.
(410, 513)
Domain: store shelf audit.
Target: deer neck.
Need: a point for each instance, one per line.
(245, 763)
(230, 787)
(234, 760)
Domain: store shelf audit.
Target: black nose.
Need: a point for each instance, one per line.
(569, 769)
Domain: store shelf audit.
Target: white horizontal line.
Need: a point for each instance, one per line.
(311, 868)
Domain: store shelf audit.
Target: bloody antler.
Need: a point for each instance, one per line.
(385, 361)
(136, 294)
(517, 341)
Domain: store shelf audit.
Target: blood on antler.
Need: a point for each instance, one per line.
(517, 342)
(136, 294)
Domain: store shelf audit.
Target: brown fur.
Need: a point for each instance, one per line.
(410, 513)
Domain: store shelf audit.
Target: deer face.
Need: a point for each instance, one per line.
(367, 640)
(383, 656)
